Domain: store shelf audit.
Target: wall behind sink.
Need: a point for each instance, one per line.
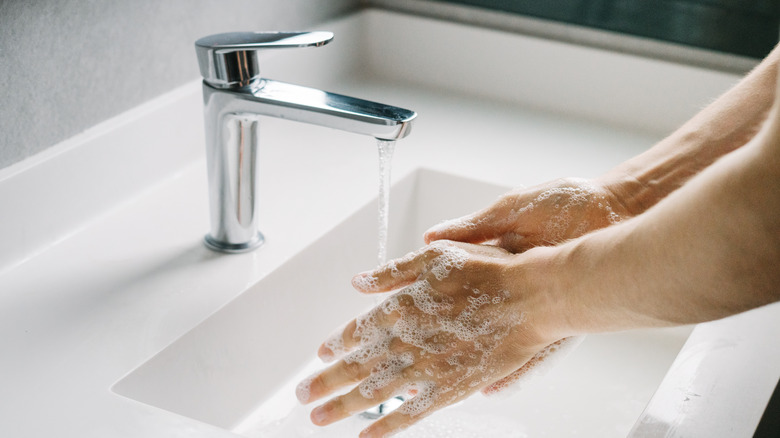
(66, 65)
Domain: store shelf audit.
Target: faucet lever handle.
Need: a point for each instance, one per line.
(231, 59)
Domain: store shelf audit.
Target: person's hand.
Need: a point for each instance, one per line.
(543, 215)
(465, 319)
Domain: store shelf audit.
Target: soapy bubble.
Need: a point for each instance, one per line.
(366, 282)
(457, 342)
(451, 258)
(303, 390)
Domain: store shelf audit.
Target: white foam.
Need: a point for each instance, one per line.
(429, 320)
(567, 201)
(426, 298)
(366, 282)
(456, 341)
(423, 400)
(451, 258)
(374, 342)
(335, 343)
(394, 272)
(556, 227)
(303, 390)
(384, 373)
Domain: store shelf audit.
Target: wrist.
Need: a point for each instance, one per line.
(537, 280)
(571, 292)
(633, 194)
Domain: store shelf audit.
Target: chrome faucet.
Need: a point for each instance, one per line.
(234, 98)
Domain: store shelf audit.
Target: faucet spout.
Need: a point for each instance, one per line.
(308, 105)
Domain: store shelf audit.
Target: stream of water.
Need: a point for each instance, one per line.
(386, 149)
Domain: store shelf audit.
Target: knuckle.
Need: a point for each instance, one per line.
(320, 381)
(377, 394)
(336, 405)
(353, 370)
(398, 346)
(409, 373)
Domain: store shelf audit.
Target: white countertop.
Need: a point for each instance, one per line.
(111, 284)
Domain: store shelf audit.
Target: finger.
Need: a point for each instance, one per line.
(399, 272)
(339, 343)
(508, 381)
(325, 382)
(364, 329)
(346, 405)
(384, 382)
(388, 425)
(478, 227)
(410, 412)
(389, 358)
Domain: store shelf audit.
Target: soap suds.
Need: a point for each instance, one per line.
(566, 204)
(429, 320)
(451, 258)
(366, 282)
(425, 396)
(335, 343)
(394, 272)
(303, 390)
(385, 373)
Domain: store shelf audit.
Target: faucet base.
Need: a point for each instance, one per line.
(234, 248)
(383, 409)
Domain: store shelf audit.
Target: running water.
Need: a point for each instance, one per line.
(386, 149)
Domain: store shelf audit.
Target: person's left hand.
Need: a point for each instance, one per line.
(465, 320)
(543, 215)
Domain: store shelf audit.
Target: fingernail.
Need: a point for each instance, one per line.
(325, 354)
(319, 415)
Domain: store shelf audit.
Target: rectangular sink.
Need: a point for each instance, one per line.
(238, 368)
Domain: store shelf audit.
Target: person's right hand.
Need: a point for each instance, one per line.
(543, 215)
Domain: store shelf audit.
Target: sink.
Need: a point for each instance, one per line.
(238, 368)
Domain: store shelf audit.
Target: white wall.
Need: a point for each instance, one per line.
(66, 65)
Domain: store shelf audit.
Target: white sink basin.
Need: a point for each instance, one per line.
(238, 368)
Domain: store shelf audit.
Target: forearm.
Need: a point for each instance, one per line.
(725, 125)
(709, 250)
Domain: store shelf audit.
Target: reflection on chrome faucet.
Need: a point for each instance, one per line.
(234, 96)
